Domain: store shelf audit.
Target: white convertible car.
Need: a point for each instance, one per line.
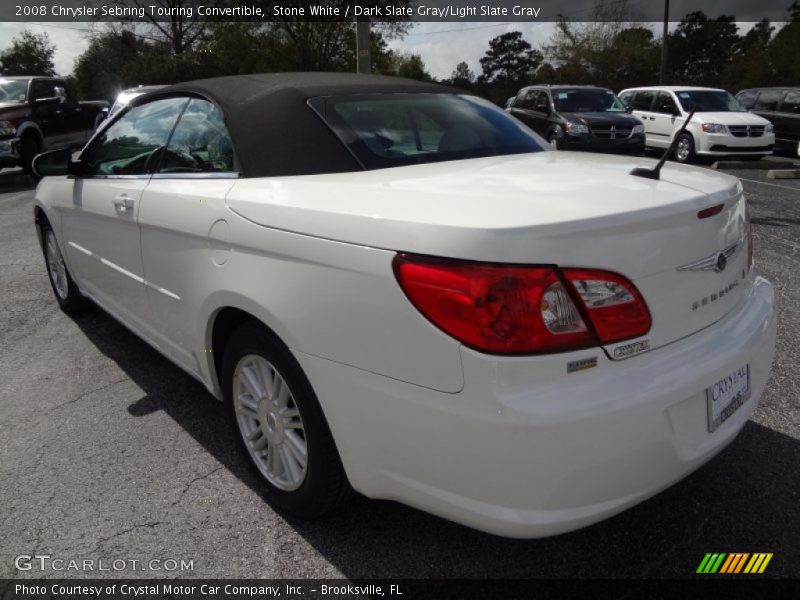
(398, 290)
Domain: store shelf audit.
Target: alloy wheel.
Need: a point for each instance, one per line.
(682, 151)
(270, 422)
(56, 266)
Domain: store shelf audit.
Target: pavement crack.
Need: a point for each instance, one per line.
(189, 485)
(104, 540)
(89, 393)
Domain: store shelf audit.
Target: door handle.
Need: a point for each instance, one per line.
(123, 203)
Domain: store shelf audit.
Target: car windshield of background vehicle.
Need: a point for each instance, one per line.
(709, 101)
(391, 130)
(587, 101)
(13, 91)
(791, 104)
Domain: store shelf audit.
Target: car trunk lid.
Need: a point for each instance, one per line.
(568, 209)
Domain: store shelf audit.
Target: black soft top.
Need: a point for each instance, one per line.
(274, 131)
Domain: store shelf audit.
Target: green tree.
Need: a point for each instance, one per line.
(782, 50)
(702, 49)
(509, 58)
(178, 34)
(407, 65)
(462, 76)
(28, 54)
(633, 59)
(753, 63)
(116, 60)
(607, 53)
(508, 64)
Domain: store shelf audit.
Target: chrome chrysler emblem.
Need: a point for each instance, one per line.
(613, 132)
(714, 262)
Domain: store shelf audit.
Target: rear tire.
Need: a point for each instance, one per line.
(283, 430)
(29, 148)
(555, 141)
(684, 150)
(66, 292)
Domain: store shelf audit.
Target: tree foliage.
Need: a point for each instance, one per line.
(462, 75)
(701, 49)
(509, 58)
(28, 54)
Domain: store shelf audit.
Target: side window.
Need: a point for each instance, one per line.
(626, 98)
(791, 104)
(132, 144)
(541, 100)
(200, 142)
(41, 89)
(768, 100)
(529, 100)
(665, 104)
(747, 98)
(643, 100)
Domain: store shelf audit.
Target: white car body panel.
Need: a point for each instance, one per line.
(660, 128)
(511, 445)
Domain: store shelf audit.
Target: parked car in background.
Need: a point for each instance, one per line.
(579, 118)
(781, 107)
(125, 96)
(721, 126)
(42, 113)
(412, 298)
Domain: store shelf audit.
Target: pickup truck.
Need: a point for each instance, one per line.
(42, 113)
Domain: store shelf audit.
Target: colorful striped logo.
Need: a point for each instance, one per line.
(734, 562)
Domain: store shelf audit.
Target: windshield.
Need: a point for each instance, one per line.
(390, 130)
(13, 91)
(709, 101)
(587, 101)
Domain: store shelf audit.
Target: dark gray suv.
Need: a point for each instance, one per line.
(575, 117)
(781, 107)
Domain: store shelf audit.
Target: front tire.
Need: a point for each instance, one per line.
(684, 149)
(66, 292)
(283, 431)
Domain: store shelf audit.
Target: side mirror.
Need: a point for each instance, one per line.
(57, 162)
(542, 108)
(628, 108)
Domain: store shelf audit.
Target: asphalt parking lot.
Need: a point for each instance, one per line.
(109, 451)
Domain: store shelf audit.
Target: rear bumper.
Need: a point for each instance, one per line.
(525, 450)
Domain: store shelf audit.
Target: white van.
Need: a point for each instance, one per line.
(721, 126)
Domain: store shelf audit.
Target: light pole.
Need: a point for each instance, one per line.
(363, 62)
(663, 72)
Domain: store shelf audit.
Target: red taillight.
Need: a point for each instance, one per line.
(516, 309)
(615, 307)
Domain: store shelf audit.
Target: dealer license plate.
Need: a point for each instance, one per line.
(727, 395)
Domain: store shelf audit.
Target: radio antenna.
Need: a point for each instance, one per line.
(655, 172)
